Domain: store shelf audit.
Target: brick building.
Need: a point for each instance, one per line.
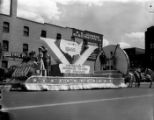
(19, 36)
(136, 57)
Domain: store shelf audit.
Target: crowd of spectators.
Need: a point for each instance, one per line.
(42, 61)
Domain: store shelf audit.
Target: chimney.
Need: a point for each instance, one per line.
(13, 8)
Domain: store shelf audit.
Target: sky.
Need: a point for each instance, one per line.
(121, 22)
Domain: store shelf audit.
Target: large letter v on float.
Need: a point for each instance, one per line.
(51, 43)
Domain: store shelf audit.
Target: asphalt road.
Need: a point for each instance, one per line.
(102, 104)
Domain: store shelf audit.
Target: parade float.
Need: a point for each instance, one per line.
(30, 78)
(71, 73)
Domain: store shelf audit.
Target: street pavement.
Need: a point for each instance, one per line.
(99, 104)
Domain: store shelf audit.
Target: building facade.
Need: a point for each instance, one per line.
(19, 36)
(149, 47)
(136, 57)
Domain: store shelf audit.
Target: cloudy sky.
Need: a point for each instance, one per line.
(120, 21)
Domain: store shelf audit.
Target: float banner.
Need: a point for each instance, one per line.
(74, 69)
(71, 48)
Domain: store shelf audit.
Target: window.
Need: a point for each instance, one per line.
(6, 27)
(26, 31)
(152, 46)
(59, 36)
(43, 33)
(5, 46)
(73, 38)
(25, 48)
(4, 64)
(151, 57)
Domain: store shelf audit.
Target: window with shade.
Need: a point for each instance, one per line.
(26, 31)
(5, 46)
(43, 33)
(59, 36)
(25, 48)
(6, 27)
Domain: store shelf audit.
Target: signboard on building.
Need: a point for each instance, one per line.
(90, 38)
(13, 55)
